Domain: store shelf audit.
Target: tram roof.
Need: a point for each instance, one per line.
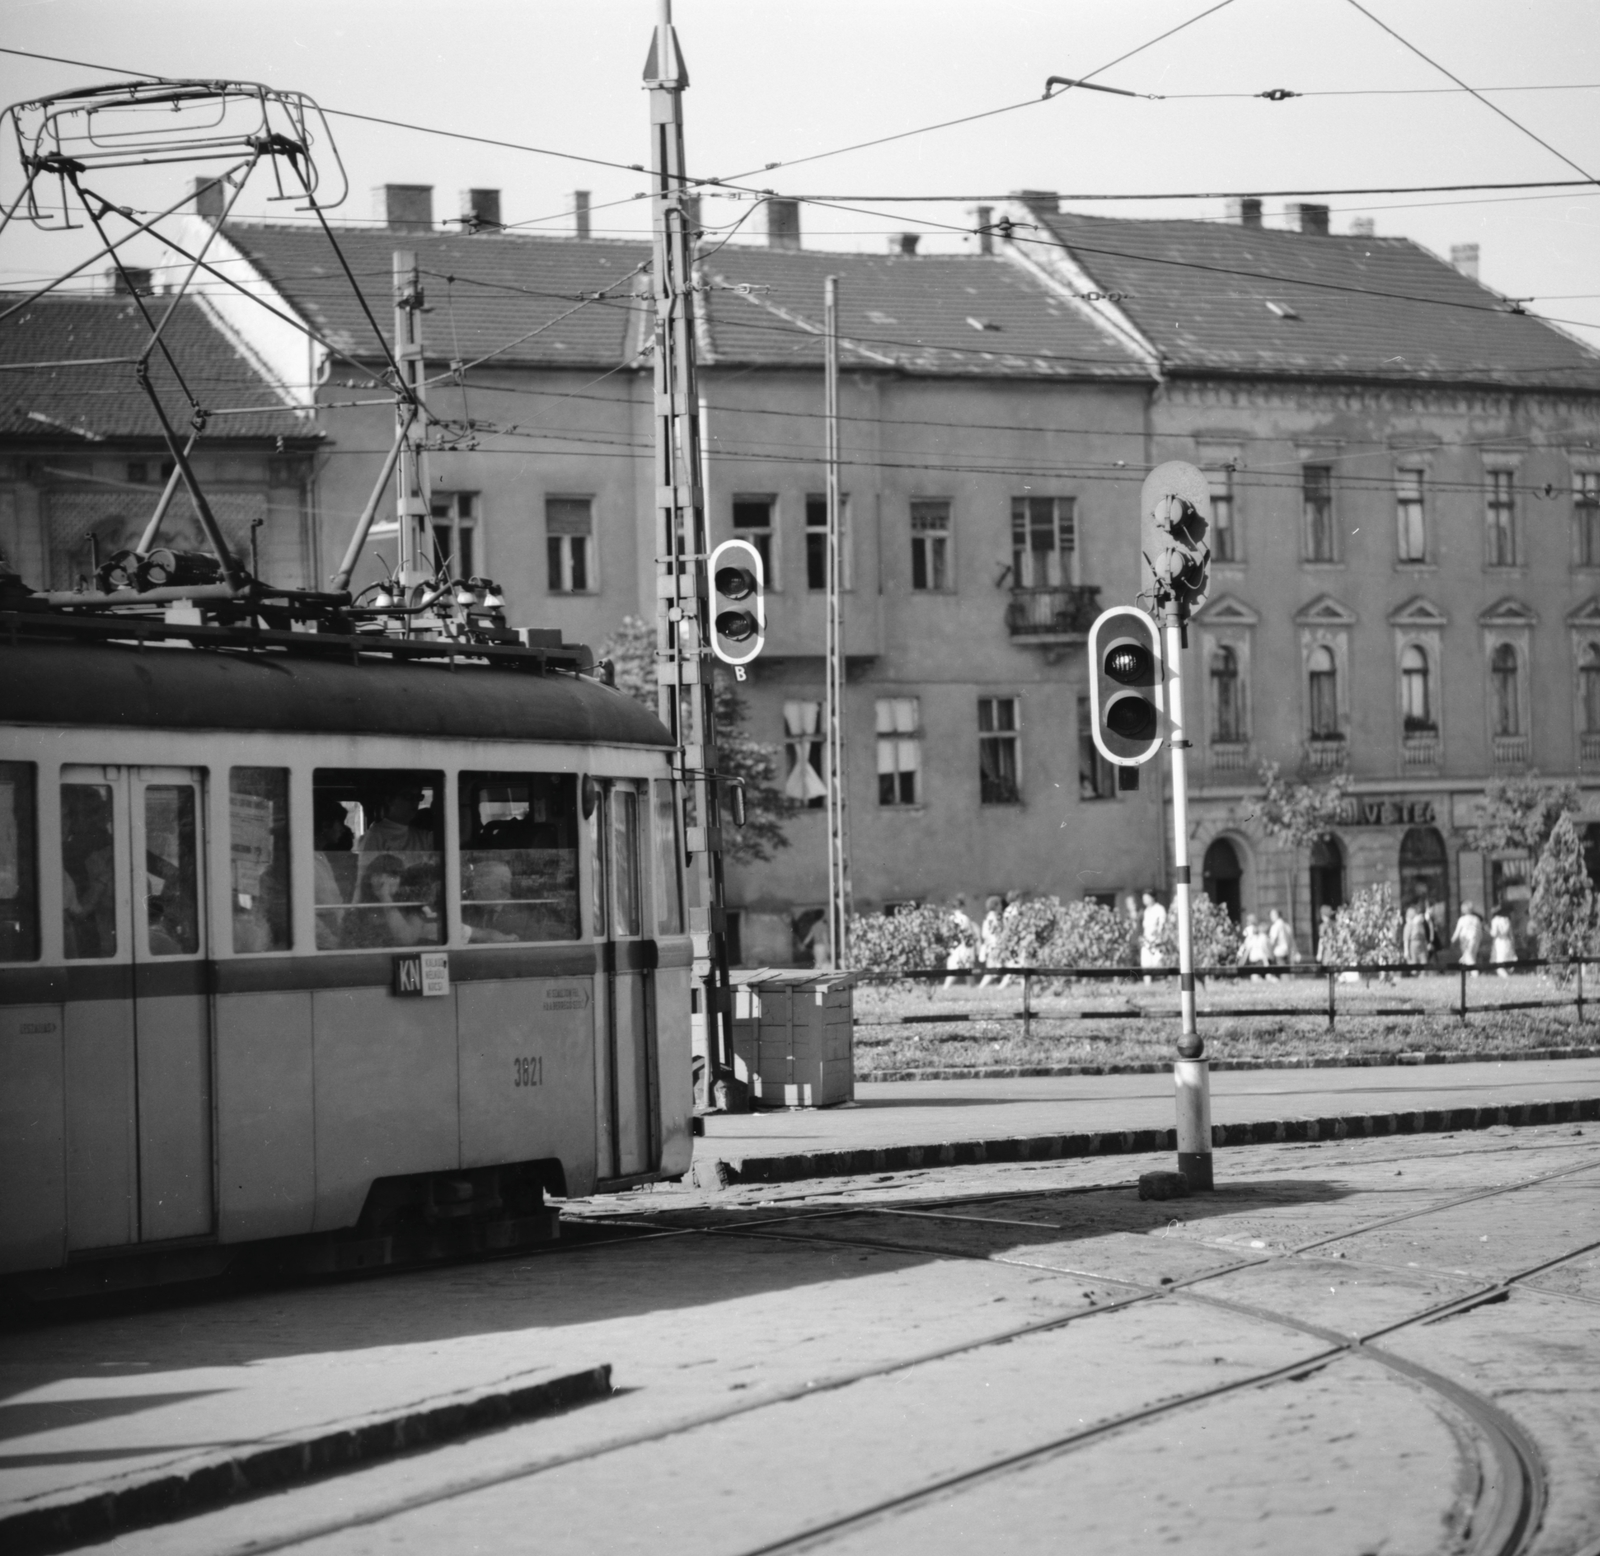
(118, 686)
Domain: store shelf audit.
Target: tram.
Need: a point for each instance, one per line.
(348, 947)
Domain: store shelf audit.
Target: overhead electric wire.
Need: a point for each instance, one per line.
(1492, 107)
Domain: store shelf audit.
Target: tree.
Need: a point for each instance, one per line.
(1562, 908)
(1300, 813)
(1365, 932)
(1520, 814)
(632, 652)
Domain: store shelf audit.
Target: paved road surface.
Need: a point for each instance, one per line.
(1019, 1358)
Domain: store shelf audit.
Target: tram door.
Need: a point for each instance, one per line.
(626, 1019)
(139, 1047)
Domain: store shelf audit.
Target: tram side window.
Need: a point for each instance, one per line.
(669, 861)
(19, 876)
(378, 863)
(88, 871)
(519, 857)
(258, 819)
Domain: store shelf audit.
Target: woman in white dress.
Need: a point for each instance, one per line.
(1502, 942)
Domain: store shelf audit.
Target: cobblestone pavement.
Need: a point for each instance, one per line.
(1352, 1346)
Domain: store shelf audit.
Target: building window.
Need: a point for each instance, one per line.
(455, 523)
(1589, 685)
(569, 539)
(1227, 701)
(805, 753)
(899, 751)
(999, 772)
(1507, 714)
(1586, 515)
(1097, 778)
(1416, 700)
(1412, 535)
(1044, 541)
(930, 544)
(752, 520)
(1224, 537)
(817, 541)
(1500, 514)
(1316, 496)
(1323, 676)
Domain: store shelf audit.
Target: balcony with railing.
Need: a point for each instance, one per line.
(1230, 756)
(1326, 753)
(1056, 613)
(1510, 750)
(1589, 749)
(1419, 746)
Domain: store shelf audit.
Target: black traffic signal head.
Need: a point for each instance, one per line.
(1175, 519)
(1127, 686)
(738, 609)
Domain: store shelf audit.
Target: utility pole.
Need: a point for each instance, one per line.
(413, 497)
(683, 597)
(833, 699)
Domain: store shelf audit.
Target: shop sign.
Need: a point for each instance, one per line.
(1374, 810)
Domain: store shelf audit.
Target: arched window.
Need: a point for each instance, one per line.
(1416, 695)
(1227, 706)
(1503, 690)
(1589, 685)
(1324, 690)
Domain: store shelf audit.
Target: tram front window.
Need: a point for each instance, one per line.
(519, 857)
(88, 871)
(378, 862)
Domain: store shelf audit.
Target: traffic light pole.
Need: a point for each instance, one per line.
(1191, 1070)
(685, 688)
(834, 708)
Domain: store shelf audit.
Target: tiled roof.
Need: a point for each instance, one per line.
(978, 316)
(95, 402)
(485, 291)
(518, 296)
(1344, 306)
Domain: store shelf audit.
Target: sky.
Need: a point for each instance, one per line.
(779, 82)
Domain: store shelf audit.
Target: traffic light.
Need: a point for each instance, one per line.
(1175, 518)
(738, 608)
(1127, 689)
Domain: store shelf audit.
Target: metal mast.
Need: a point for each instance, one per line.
(413, 498)
(834, 706)
(683, 596)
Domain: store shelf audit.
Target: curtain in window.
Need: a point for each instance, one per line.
(1415, 701)
(1227, 711)
(805, 781)
(1324, 688)
(1503, 690)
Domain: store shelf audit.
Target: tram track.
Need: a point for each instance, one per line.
(1503, 1522)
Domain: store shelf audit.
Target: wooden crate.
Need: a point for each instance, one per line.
(793, 1036)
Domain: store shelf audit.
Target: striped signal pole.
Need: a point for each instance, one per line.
(686, 692)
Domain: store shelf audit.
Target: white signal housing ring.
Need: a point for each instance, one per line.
(1117, 624)
(747, 555)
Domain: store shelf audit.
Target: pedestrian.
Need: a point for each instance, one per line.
(964, 942)
(1016, 954)
(1414, 937)
(989, 941)
(1152, 934)
(1325, 948)
(1280, 939)
(1255, 950)
(1468, 936)
(1502, 942)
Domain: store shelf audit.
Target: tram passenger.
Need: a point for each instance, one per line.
(385, 916)
(88, 877)
(488, 913)
(335, 869)
(399, 828)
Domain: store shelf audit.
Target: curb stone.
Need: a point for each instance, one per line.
(80, 1515)
(1014, 1072)
(716, 1173)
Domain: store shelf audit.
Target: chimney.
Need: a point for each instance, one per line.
(1313, 219)
(985, 214)
(130, 282)
(1246, 210)
(905, 243)
(1041, 202)
(1363, 227)
(404, 207)
(1464, 256)
(580, 211)
(480, 210)
(210, 197)
(783, 224)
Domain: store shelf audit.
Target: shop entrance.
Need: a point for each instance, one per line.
(1222, 876)
(1425, 877)
(1327, 882)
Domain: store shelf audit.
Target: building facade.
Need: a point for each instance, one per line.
(1404, 476)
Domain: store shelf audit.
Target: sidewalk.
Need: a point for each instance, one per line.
(919, 1122)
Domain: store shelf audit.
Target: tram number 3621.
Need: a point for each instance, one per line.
(528, 1071)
